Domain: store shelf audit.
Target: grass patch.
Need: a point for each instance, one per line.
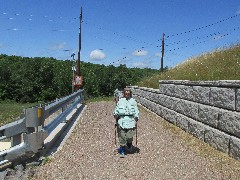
(46, 160)
(10, 111)
(98, 99)
(222, 64)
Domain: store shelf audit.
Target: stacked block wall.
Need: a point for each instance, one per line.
(209, 110)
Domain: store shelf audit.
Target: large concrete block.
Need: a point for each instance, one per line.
(169, 115)
(141, 92)
(223, 97)
(169, 102)
(136, 92)
(137, 98)
(151, 106)
(238, 99)
(184, 92)
(201, 94)
(143, 101)
(187, 108)
(159, 110)
(197, 129)
(155, 97)
(146, 95)
(229, 122)
(182, 122)
(208, 115)
(160, 99)
(217, 139)
(167, 89)
(234, 148)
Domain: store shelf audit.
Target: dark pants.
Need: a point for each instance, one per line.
(125, 135)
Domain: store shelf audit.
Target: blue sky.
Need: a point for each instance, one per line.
(113, 32)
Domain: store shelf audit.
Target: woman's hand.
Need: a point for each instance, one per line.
(117, 117)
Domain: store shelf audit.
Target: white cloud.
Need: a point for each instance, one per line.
(1, 45)
(97, 55)
(140, 65)
(140, 53)
(58, 46)
(158, 54)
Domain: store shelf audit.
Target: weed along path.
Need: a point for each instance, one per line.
(164, 152)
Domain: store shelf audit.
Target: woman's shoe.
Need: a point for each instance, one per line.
(122, 151)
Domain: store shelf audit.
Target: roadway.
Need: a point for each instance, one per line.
(163, 152)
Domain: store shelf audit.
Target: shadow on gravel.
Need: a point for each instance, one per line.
(134, 150)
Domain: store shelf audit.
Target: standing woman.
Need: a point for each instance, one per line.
(126, 114)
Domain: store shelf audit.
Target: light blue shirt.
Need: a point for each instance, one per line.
(127, 110)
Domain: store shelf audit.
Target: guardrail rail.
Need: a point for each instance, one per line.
(35, 132)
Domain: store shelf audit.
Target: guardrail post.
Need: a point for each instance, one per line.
(41, 115)
(34, 123)
(15, 140)
(31, 119)
(64, 108)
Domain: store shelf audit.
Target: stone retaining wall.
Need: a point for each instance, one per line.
(209, 110)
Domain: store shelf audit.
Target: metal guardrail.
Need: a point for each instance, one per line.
(31, 134)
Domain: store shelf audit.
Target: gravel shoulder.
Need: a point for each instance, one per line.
(163, 152)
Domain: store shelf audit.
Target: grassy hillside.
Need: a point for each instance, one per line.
(221, 64)
(11, 110)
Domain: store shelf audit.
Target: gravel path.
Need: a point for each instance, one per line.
(163, 152)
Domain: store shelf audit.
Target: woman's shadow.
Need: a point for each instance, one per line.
(132, 150)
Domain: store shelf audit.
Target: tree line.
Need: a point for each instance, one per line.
(25, 79)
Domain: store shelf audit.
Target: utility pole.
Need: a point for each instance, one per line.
(80, 34)
(78, 78)
(162, 52)
(73, 69)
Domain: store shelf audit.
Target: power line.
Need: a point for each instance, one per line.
(214, 36)
(203, 27)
